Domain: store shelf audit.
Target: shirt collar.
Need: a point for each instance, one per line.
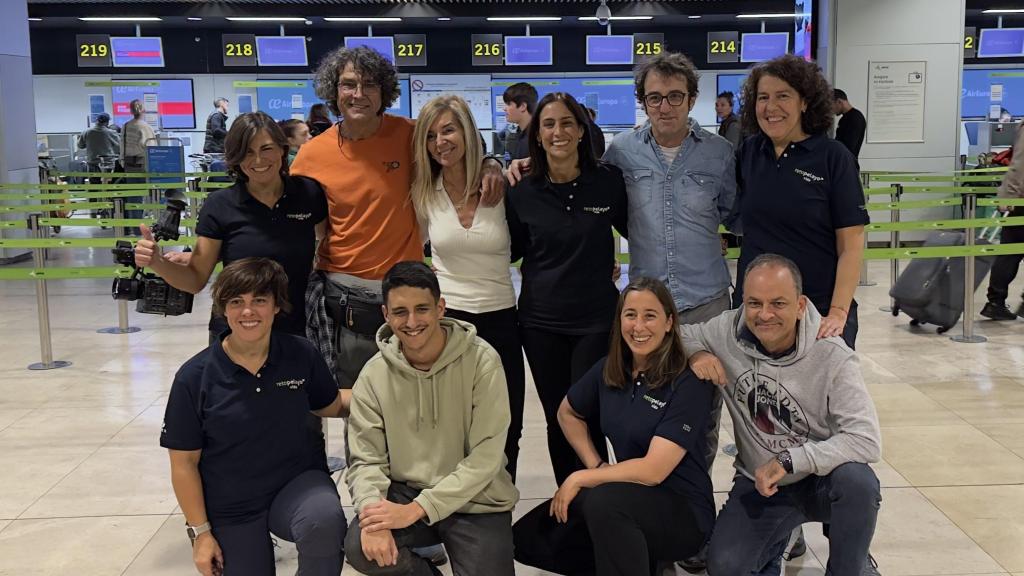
(748, 336)
(274, 355)
(244, 196)
(808, 144)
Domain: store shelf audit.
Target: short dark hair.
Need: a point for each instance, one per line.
(218, 100)
(806, 78)
(728, 96)
(242, 131)
(538, 157)
(318, 111)
(103, 118)
(521, 93)
(666, 363)
(769, 260)
(666, 64)
(289, 126)
(413, 274)
(838, 94)
(256, 276)
(369, 63)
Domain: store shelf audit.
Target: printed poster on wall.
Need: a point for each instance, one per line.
(896, 101)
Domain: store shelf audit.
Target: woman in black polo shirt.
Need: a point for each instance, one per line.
(241, 462)
(799, 191)
(266, 213)
(654, 504)
(560, 221)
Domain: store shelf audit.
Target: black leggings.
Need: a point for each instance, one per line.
(500, 329)
(557, 361)
(1004, 269)
(615, 529)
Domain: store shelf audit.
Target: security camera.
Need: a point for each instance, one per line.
(603, 14)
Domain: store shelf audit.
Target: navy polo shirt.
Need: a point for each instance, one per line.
(285, 233)
(251, 428)
(630, 418)
(792, 205)
(563, 232)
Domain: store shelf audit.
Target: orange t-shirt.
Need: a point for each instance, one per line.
(371, 221)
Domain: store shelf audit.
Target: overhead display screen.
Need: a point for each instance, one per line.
(976, 93)
(383, 44)
(281, 51)
(613, 98)
(761, 47)
(1001, 43)
(528, 51)
(609, 50)
(174, 99)
(286, 99)
(137, 51)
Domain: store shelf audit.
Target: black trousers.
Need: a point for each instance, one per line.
(1004, 269)
(615, 529)
(557, 361)
(500, 329)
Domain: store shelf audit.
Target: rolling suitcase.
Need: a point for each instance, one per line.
(931, 290)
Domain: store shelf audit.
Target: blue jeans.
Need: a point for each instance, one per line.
(752, 530)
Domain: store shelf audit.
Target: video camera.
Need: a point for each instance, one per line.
(153, 294)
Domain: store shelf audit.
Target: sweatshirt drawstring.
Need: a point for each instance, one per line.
(434, 398)
(419, 401)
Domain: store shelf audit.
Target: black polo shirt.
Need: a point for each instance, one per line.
(285, 233)
(251, 428)
(794, 204)
(678, 412)
(563, 232)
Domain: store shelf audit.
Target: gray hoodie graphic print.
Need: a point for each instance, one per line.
(811, 402)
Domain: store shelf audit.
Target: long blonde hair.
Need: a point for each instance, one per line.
(425, 169)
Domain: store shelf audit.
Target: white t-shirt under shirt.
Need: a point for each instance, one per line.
(670, 153)
(472, 264)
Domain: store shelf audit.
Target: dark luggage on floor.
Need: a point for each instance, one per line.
(931, 290)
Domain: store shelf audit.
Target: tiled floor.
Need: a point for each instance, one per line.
(84, 488)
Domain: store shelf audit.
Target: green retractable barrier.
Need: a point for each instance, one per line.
(107, 222)
(143, 186)
(82, 242)
(945, 224)
(912, 204)
(140, 174)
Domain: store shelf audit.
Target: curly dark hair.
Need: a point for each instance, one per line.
(369, 63)
(667, 64)
(808, 81)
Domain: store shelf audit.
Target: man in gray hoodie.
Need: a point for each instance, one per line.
(804, 424)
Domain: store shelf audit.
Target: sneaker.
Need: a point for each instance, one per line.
(797, 545)
(697, 563)
(434, 554)
(997, 312)
(871, 567)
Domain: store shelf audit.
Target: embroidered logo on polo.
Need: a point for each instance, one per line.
(291, 384)
(774, 418)
(301, 216)
(807, 176)
(654, 402)
(596, 209)
(391, 166)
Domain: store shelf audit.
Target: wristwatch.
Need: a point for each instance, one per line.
(786, 460)
(195, 531)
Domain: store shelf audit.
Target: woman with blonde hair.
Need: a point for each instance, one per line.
(469, 242)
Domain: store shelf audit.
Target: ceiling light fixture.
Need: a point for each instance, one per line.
(194, 19)
(694, 17)
(120, 19)
(443, 19)
(265, 19)
(1003, 11)
(782, 15)
(524, 18)
(35, 19)
(592, 18)
(363, 19)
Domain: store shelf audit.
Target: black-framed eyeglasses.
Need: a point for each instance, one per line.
(674, 99)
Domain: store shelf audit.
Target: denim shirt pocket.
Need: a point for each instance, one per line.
(700, 191)
(639, 186)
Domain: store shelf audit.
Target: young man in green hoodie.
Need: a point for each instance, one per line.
(427, 430)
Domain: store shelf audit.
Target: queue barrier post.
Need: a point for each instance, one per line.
(122, 305)
(894, 243)
(43, 305)
(968, 336)
(865, 181)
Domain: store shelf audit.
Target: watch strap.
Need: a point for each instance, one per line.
(196, 531)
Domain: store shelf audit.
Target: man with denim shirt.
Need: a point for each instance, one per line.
(681, 182)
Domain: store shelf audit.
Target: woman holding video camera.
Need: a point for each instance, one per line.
(266, 213)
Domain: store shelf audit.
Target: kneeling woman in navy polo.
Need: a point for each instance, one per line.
(653, 503)
(242, 465)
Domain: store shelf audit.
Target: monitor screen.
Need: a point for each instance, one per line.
(174, 101)
(383, 44)
(609, 50)
(761, 47)
(137, 51)
(281, 51)
(528, 51)
(1001, 42)
(976, 92)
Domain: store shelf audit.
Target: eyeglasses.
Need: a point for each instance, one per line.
(674, 99)
(349, 87)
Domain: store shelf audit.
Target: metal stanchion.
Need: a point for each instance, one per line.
(894, 242)
(122, 305)
(865, 181)
(968, 336)
(43, 305)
